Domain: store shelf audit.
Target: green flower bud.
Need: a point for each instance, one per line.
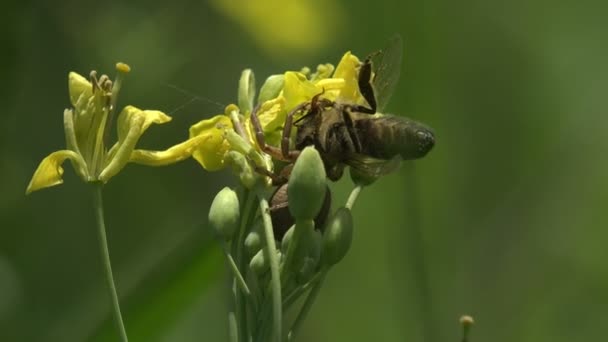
(242, 169)
(224, 213)
(281, 217)
(271, 88)
(259, 263)
(337, 237)
(323, 71)
(255, 239)
(246, 90)
(307, 185)
(287, 239)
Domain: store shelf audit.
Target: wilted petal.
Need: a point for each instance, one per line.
(211, 153)
(171, 155)
(50, 172)
(132, 123)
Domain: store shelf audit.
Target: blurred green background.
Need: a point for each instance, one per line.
(504, 220)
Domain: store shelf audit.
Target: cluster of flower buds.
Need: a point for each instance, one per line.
(280, 241)
(304, 253)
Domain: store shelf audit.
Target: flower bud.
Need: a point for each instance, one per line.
(259, 263)
(467, 322)
(242, 169)
(255, 239)
(224, 213)
(246, 94)
(307, 185)
(271, 88)
(337, 237)
(287, 239)
(281, 217)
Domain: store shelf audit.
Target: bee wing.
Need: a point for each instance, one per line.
(372, 167)
(387, 66)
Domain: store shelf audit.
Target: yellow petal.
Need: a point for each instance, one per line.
(169, 156)
(145, 118)
(49, 172)
(211, 153)
(132, 123)
(348, 69)
(78, 86)
(272, 115)
(298, 89)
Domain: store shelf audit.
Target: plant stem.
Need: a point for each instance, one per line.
(298, 291)
(105, 257)
(312, 296)
(237, 265)
(240, 281)
(352, 198)
(233, 333)
(275, 279)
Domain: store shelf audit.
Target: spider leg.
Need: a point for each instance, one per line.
(285, 138)
(273, 151)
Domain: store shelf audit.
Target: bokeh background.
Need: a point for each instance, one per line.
(506, 219)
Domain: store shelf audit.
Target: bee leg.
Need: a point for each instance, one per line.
(365, 88)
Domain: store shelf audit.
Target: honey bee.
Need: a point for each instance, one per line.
(348, 134)
(355, 135)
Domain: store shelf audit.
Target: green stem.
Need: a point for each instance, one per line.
(298, 291)
(352, 198)
(233, 329)
(312, 296)
(275, 279)
(105, 256)
(237, 274)
(238, 264)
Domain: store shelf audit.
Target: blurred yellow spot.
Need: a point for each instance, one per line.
(286, 27)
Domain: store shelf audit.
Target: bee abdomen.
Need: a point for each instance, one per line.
(385, 137)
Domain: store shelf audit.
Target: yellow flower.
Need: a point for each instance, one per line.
(278, 96)
(86, 134)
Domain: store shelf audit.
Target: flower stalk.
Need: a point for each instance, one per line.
(105, 258)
